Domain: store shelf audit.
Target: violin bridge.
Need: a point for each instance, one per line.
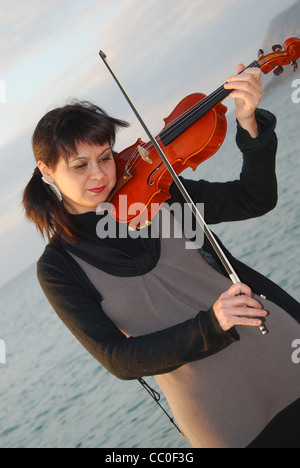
(144, 154)
(145, 225)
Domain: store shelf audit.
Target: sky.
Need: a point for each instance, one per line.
(162, 50)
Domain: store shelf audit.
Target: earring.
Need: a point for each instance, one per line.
(54, 188)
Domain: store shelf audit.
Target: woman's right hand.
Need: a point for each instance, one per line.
(237, 307)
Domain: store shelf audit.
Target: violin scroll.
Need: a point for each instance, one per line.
(281, 56)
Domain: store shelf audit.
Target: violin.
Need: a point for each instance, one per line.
(193, 133)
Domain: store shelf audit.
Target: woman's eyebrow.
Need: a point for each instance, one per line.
(86, 157)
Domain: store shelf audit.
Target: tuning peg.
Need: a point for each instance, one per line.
(260, 54)
(277, 48)
(294, 65)
(278, 71)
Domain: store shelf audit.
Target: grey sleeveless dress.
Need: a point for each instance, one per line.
(223, 401)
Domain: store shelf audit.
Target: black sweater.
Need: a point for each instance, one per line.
(78, 303)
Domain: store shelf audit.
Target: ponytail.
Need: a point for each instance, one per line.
(43, 207)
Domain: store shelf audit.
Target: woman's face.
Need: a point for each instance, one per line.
(86, 179)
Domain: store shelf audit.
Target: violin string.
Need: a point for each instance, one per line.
(171, 123)
(174, 123)
(180, 120)
(218, 94)
(135, 158)
(195, 109)
(133, 161)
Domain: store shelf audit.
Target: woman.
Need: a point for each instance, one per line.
(149, 306)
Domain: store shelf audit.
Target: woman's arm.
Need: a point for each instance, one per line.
(247, 92)
(69, 292)
(255, 193)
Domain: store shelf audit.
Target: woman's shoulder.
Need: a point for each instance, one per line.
(55, 262)
(60, 275)
(53, 252)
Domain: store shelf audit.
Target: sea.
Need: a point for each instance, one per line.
(53, 394)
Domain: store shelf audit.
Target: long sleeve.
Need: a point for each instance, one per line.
(255, 193)
(79, 307)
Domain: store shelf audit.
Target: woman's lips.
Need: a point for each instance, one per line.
(98, 189)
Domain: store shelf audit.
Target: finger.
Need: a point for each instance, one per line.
(242, 72)
(240, 68)
(228, 321)
(244, 301)
(251, 99)
(239, 288)
(250, 102)
(250, 76)
(250, 85)
(250, 322)
(249, 312)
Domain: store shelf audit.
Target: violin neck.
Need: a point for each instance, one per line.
(172, 131)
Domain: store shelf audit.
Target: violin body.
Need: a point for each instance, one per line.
(193, 132)
(197, 144)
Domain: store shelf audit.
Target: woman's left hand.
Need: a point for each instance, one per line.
(247, 92)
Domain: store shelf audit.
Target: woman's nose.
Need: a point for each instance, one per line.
(97, 173)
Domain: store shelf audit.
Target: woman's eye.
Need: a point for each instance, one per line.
(80, 166)
(101, 160)
(107, 158)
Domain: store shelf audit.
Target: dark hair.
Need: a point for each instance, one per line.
(57, 135)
